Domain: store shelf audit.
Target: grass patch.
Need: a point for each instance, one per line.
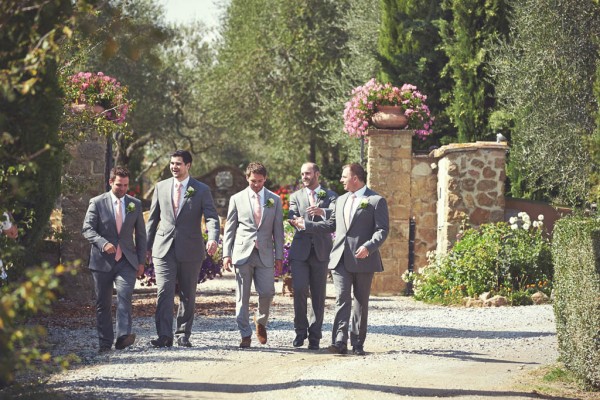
(556, 381)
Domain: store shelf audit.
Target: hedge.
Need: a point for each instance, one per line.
(576, 252)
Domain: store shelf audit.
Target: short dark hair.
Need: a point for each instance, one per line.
(119, 171)
(256, 168)
(185, 155)
(357, 170)
(315, 167)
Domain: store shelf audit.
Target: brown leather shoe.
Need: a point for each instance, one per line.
(245, 343)
(261, 332)
(125, 341)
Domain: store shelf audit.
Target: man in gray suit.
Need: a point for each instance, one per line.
(176, 245)
(253, 243)
(112, 221)
(309, 256)
(361, 222)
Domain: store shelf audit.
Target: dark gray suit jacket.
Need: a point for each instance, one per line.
(185, 231)
(100, 227)
(303, 240)
(369, 227)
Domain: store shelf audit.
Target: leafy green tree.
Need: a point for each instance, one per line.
(467, 39)
(545, 77)
(409, 46)
(31, 156)
(271, 65)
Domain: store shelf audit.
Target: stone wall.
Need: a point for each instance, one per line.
(438, 192)
(83, 179)
(389, 174)
(470, 188)
(423, 207)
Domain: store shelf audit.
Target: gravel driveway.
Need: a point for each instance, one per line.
(414, 350)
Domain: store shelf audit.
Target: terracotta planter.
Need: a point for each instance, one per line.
(389, 117)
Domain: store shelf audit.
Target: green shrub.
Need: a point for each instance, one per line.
(576, 252)
(20, 344)
(508, 259)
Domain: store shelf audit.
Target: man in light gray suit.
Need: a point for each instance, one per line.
(361, 222)
(253, 243)
(176, 245)
(309, 256)
(112, 221)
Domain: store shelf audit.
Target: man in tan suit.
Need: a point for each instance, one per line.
(253, 244)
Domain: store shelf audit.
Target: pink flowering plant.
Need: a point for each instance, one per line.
(100, 93)
(366, 98)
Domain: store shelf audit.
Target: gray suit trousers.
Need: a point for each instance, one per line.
(309, 278)
(345, 283)
(264, 283)
(123, 276)
(168, 272)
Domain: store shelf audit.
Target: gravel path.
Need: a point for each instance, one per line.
(414, 350)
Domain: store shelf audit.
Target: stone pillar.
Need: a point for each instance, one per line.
(470, 188)
(423, 195)
(83, 179)
(389, 174)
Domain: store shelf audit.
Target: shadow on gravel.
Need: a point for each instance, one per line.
(194, 390)
(463, 356)
(420, 331)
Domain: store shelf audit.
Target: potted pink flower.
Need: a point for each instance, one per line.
(409, 102)
(98, 93)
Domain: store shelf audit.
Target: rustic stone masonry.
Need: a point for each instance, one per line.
(437, 191)
(389, 174)
(83, 179)
(470, 188)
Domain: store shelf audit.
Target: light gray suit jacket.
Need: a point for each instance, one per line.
(241, 231)
(185, 231)
(303, 241)
(100, 227)
(369, 227)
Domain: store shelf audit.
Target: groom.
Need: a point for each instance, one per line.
(253, 244)
(176, 245)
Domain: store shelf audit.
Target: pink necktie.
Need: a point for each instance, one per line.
(311, 197)
(257, 209)
(119, 218)
(348, 210)
(177, 198)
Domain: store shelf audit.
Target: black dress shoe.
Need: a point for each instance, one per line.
(358, 350)
(338, 348)
(125, 341)
(313, 344)
(182, 341)
(162, 341)
(299, 341)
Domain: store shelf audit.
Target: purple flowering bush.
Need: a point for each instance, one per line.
(365, 99)
(212, 266)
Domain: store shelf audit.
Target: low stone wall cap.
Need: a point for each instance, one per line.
(465, 147)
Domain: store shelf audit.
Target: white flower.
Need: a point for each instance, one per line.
(535, 224)
(514, 226)
(541, 217)
(526, 226)
(512, 220)
(526, 217)
(520, 215)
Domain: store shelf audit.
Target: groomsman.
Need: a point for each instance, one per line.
(253, 244)
(176, 244)
(309, 256)
(361, 223)
(111, 223)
